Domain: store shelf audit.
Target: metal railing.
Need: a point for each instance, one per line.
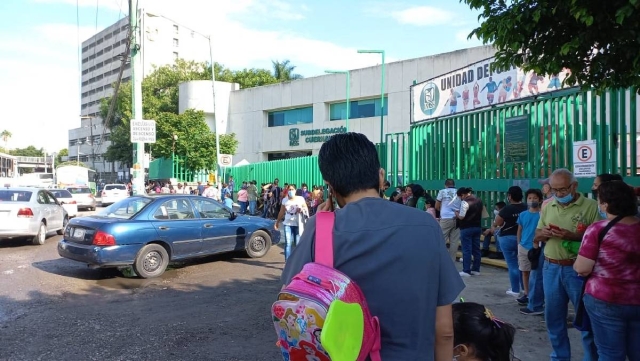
(36, 160)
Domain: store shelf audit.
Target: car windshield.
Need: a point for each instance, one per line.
(8, 195)
(79, 190)
(125, 209)
(115, 186)
(61, 193)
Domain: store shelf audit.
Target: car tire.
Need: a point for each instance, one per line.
(60, 232)
(152, 261)
(258, 244)
(40, 238)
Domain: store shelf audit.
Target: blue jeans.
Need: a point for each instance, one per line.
(243, 207)
(470, 239)
(291, 237)
(616, 329)
(487, 242)
(561, 285)
(536, 288)
(252, 207)
(509, 246)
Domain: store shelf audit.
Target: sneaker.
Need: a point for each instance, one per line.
(514, 294)
(465, 274)
(523, 301)
(526, 311)
(475, 273)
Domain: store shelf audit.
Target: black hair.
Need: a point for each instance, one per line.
(463, 190)
(349, 162)
(620, 198)
(516, 193)
(304, 185)
(395, 194)
(417, 190)
(387, 184)
(608, 177)
(299, 192)
(501, 204)
(449, 183)
(488, 338)
(537, 192)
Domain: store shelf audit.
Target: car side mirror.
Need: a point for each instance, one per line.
(233, 216)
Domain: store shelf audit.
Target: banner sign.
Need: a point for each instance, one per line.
(477, 86)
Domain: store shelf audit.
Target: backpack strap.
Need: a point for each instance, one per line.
(324, 238)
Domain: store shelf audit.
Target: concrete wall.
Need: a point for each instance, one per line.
(249, 108)
(198, 95)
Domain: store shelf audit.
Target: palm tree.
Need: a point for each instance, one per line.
(5, 135)
(283, 70)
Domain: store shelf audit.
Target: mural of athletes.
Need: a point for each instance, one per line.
(477, 86)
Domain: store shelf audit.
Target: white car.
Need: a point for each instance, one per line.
(83, 196)
(66, 200)
(113, 193)
(30, 212)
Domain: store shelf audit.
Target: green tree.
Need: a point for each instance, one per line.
(71, 162)
(283, 71)
(596, 40)
(64, 152)
(29, 151)
(5, 135)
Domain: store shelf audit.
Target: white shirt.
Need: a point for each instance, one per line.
(212, 192)
(449, 202)
(291, 206)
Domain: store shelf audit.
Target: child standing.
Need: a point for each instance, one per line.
(228, 202)
(479, 336)
(527, 222)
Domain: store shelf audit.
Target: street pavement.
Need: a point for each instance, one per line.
(215, 308)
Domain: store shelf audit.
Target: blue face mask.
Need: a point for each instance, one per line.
(602, 214)
(564, 200)
(291, 194)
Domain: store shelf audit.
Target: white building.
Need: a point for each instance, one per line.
(291, 119)
(163, 41)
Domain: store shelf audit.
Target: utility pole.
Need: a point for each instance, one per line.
(136, 80)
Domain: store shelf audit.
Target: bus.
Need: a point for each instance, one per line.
(41, 180)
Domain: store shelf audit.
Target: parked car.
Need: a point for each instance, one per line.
(30, 212)
(147, 232)
(66, 200)
(83, 196)
(113, 193)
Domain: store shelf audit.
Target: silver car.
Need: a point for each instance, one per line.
(84, 197)
(30, 212)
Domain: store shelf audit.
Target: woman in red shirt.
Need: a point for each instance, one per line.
(612, 294)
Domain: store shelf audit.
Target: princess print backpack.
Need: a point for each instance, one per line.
(322, 315)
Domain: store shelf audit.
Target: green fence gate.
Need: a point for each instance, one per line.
(294, 170)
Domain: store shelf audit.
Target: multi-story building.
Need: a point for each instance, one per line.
(163, 41)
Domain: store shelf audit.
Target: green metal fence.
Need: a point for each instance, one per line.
(295, 170)
(470, 147)
(164, 169)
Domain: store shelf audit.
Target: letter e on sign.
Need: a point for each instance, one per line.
(226, 160)
(584, 159)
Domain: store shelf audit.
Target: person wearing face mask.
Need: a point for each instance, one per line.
(371, 234)
(507, 220)
(479, 336)
(601, 178)
(608, 257)
(562, 226)
(293, 208)
(527, 222)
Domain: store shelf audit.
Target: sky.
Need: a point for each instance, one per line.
(39, 45)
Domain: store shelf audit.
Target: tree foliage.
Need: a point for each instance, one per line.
(71, 162)
(283, 70)
(29, 151)
(64, 152)
(597, 41)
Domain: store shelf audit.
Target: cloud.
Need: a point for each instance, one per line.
(66, 34)
(423, 16)
(109, 4)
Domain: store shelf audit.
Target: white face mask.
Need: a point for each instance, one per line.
(496, 212)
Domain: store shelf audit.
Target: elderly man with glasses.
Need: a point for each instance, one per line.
(562, 224)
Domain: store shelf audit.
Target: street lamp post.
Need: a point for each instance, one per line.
(381, 89)
(348, 90)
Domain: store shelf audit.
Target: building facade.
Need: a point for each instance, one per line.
(163, 41)
(294, 118)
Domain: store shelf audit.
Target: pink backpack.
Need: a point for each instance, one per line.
(300, 312)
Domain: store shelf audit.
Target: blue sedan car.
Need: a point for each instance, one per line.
(148, 232)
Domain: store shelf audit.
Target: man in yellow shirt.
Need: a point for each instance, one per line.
(562, 224)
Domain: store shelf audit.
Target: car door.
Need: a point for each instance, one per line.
(57, 212)
(176, 224)
(44, 210)
(218, 231)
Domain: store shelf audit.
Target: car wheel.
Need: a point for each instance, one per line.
(60, 232)
(41, 236)
(151, 262)
(259, 244)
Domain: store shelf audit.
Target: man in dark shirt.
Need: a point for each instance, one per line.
(507, 220)
(470, 222)
(396, 254)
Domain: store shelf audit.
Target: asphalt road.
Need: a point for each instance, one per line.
(216, 308)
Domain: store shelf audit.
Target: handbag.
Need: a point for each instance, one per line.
(582, 322)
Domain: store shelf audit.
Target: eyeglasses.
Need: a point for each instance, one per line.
(561, 190)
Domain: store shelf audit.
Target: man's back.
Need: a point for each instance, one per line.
(397, 256)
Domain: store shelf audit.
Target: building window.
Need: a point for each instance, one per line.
(366, 108)
(289, 155)
(175, 43)
(175, 29)
(175, 55)
(291, 117)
